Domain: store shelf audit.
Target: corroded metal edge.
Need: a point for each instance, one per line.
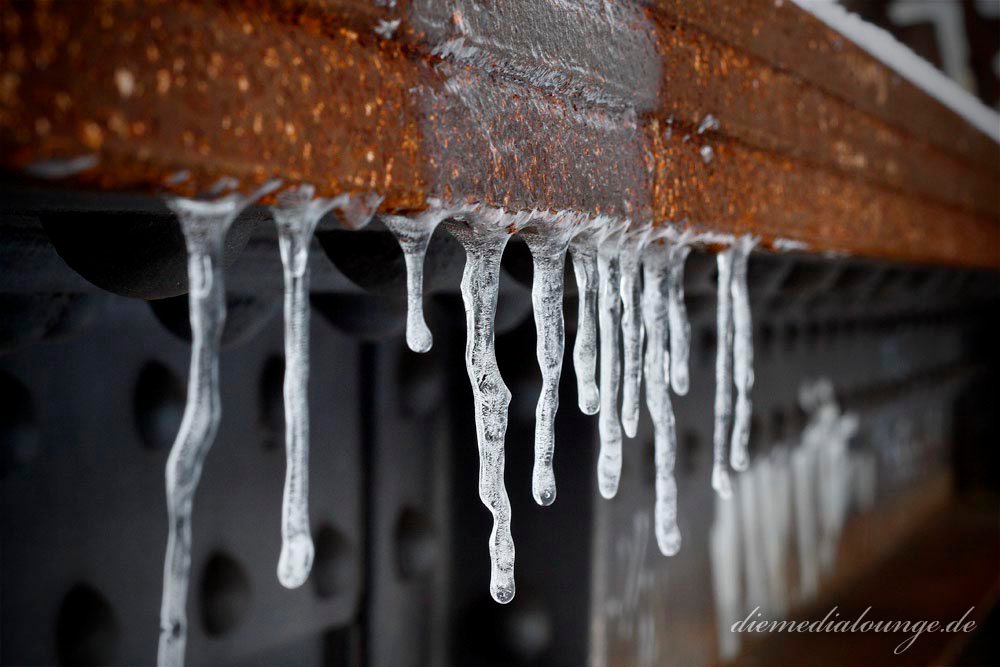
(310, 90)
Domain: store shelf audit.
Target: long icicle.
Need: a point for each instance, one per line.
(635, 242)
(655, 315)
(583, 250)
(742, 354)
(414, 234)
(548, 243)
(723, 374)
(680, 327)
(296, 215)
(204, 224)
(484, 244)
(609, 462)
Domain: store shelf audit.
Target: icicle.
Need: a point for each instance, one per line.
(656, 267)
(548, 243)
(413, 235)
(822, 481)
(609, 463)
(742, 354)
(804, 489)
(724, 546)
(723, 374)
(755, 593)
(296, 216)
(484, 240)
(204, 224)
(583, 249)
(635, 242)
(774, 500)
(680, 327)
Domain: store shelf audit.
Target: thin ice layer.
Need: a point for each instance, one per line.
(742, 354)
(723, 374)
(204, 224)
(609, 462)
(583, 250)
(548, 243)
(655, 315)
(413, 234)
(484, 239)
(632, 247)
(680, 326)
(296, 215)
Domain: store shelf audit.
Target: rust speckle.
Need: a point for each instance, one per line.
(125, 82)
(9, 83)
(118, 125)
(163, 81)
(92, 135)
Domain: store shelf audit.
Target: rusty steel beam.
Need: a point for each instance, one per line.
(791, 41)
(532, 104)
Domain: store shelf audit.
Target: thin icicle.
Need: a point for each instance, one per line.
(680, 327)
(723, 374)
(204, 224)
(583, 249)
(742, 354)
(413, 235)
(655, 316)
(548, 243)
(296, 216)
(609, 463)
(484, 240)
(635, 243)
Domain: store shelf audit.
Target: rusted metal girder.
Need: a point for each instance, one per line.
(529, 104)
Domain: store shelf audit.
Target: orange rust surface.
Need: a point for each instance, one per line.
(157, 87)
(793, 41)
(818, 142)
(744, 190)
(773, 110)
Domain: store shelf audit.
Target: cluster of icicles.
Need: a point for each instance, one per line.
(795, 497)
(618, 307)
